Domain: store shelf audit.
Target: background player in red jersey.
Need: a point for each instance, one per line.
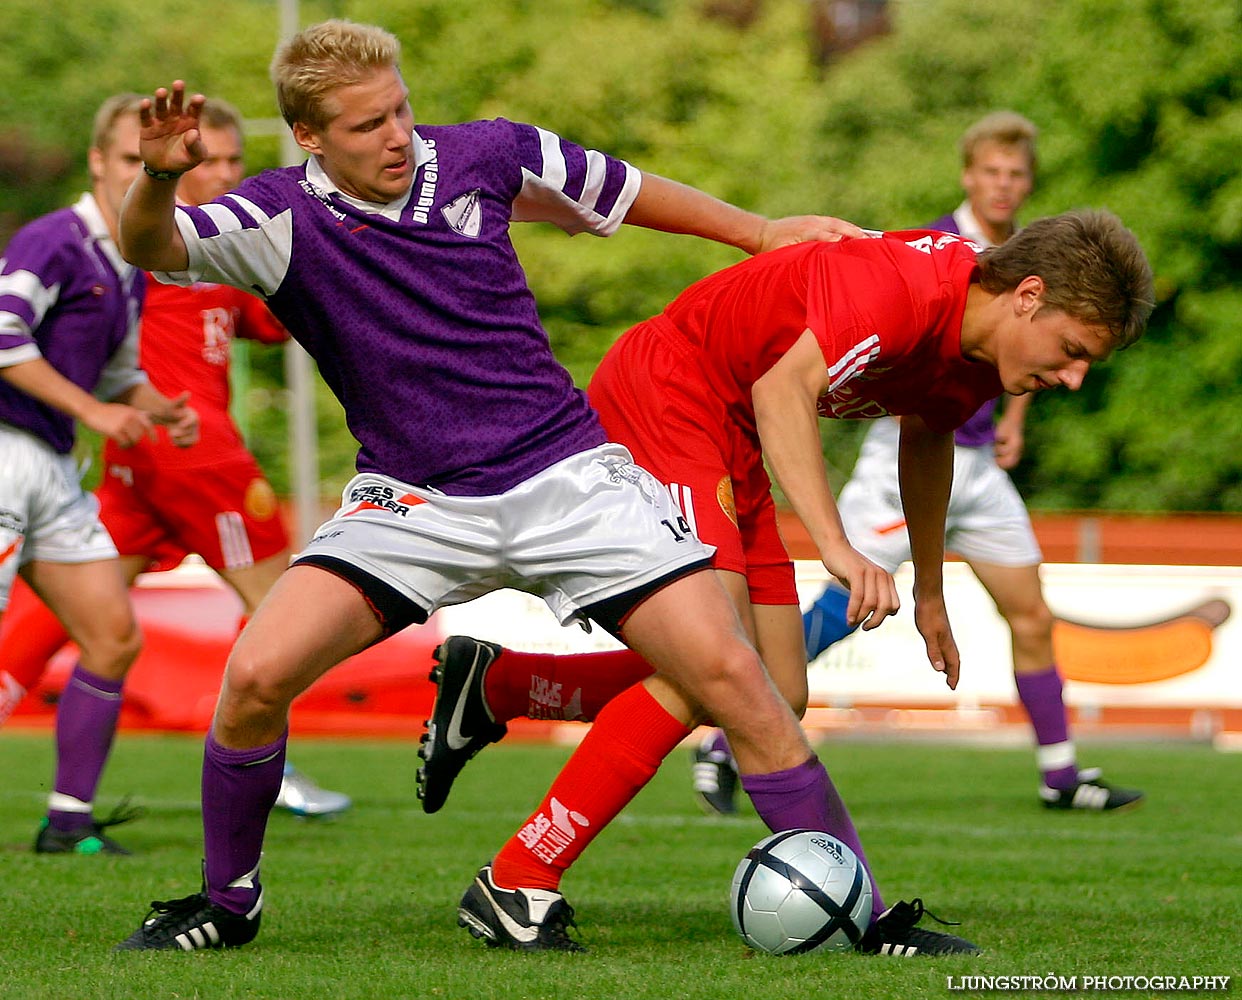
(161, 503)
(988, 525)
(734, 371)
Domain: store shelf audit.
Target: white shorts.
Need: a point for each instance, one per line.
(987, 520)
(591, 528)
(44, 513)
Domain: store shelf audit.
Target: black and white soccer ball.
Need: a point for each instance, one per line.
(800, 891)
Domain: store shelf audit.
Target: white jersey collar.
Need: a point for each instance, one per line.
(87, 209)
(316, 176)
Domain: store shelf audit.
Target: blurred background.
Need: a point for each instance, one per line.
(846, 107)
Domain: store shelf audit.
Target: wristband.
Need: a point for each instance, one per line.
(163, 175)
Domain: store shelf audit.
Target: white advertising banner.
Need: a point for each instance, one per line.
(1126, 636)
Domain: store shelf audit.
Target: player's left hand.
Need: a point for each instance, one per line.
(805, 228)
(1008, 446)
(932, 621)
(181, 419)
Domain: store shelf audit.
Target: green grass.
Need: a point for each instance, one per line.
(364, 906)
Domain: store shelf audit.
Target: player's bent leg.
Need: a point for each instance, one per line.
(310, 621)
(1019, 598)
(92, 601)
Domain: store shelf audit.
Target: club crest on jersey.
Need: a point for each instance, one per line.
(465, 214)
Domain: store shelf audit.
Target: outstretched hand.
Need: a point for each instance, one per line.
(169, 139)
(804, 229)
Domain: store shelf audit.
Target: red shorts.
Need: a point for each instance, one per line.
(653, 398)
(225, 512)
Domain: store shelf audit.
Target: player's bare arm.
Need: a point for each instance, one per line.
(925, 473)
(170, 144)
(672, 207)
(787, 418)
(1010, 433)
(125, 425)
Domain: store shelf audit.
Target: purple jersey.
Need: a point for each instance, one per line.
(978, 430)
(418, 312)
(66, 295)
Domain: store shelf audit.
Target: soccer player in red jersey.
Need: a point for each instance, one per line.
(736, 370)
(161, 503)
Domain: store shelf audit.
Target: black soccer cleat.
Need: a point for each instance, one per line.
(715, 781)
(894, 933)
(193, 923)
(460, 724)
(89, 839)
(521, 919)
(1090, 794)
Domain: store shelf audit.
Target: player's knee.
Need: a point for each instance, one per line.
(1031, 625)
(252, 683)
(111, 652)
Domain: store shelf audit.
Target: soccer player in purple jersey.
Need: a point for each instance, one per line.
(987, 524)
(387, 255)
(69, 308)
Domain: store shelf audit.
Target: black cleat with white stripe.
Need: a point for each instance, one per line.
(521, 919)
(894, 933)
(193, 923)
(1090, 794)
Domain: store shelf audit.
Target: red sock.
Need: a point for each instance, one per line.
(30, 635)
(567, 687)
(620, 754)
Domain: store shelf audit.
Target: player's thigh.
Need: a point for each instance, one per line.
(310, 621)
(91, 599)
(1016, 590)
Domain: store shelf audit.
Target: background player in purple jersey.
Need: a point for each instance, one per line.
(387, 255)
(987, 524)
(69, 308)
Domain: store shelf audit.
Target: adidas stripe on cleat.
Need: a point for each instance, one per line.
(1090, 794)
(894, 932)
(460, 724)
(193, 923)
(715, 781)
(521, 919)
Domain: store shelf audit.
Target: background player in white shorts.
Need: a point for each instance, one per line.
(987, 524)
(69, 308)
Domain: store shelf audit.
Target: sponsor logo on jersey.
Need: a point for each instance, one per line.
(322, 198)
(425, 196)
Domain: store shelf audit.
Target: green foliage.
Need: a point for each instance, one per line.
(363, 906)
(1138, 106)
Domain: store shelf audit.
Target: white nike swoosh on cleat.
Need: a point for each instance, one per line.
(454, 737)
(514, 929)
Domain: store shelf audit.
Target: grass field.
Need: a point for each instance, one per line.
(364, 906)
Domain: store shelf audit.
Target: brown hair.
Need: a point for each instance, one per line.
(321, 58)
(114, 108)
(218, 113)
(1005, 128)
(1092, 267)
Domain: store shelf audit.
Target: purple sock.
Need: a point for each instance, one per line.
(239, 790)
(804, 798)
(85, 726)
(1040, 694)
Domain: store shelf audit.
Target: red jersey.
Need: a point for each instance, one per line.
(887, 313)
(186, 338)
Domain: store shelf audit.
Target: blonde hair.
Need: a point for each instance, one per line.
(1092, 267)
(1005, 128)
(321, 58)
(114, 108)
